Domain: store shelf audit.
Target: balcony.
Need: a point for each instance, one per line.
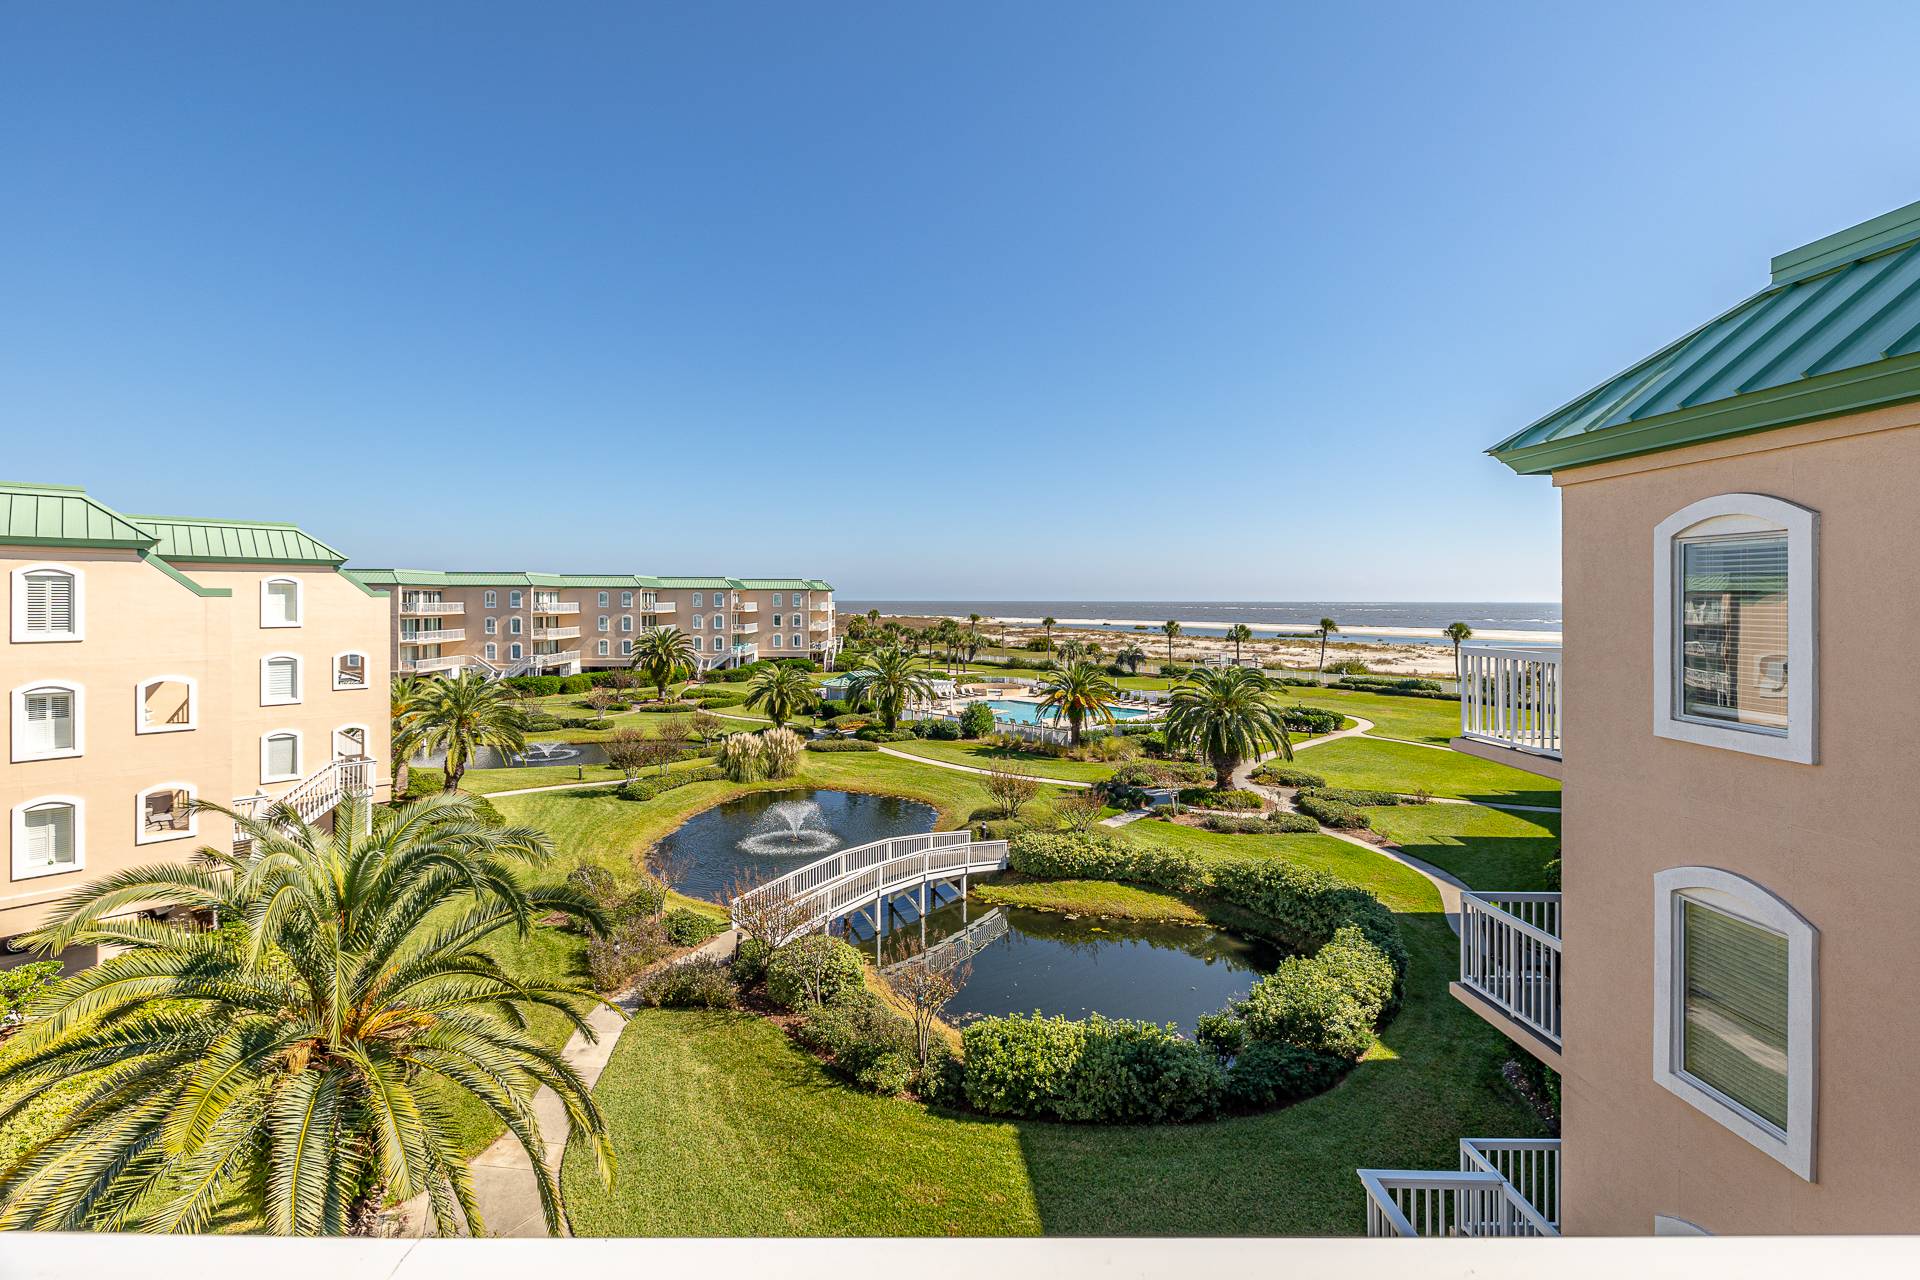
(556, 633)
(1510, 707)
(745, 606)
(417, 666)
(1504, 1187)
(556, 608)
(1510, 967)
(819, 624)
(560, 659)
(445, 635)
(431, 608)
(746, 628)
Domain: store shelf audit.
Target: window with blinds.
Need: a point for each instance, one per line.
(49, 836)
(280, 604)
(282, 680)
(1734, 1011)
(283, 756)
(49, 603)
(1733, 632)
(49, 721)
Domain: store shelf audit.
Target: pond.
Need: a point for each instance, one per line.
(769, 833)
(1077, 965)
(537, 753)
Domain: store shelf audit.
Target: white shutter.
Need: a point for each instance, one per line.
(283, 756)
(50, 602)
(282, 679)
(49, 722)
(50, 836)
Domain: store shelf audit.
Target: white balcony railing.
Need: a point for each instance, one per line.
(555, 608)
(559, 659)
(1478, 1199)
(819, 624)
(430, 608)
(1510, 956)
(445, 635)
(446, 662)
(745, 606)
(1510, 697)
(659, 606)
(746, 628)
(556, 633)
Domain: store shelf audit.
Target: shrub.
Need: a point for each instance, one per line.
(1099, 1070)
(721, 699)
(840, 744)
(1328, 1002)
(538, 686)
(1222, 1032)
(422, 781)
(1352, 795)
(741, 758)
(542, 720)
(1233, 798)
(1233, 824)
(1348, 666)
(750, 960)
(780, 751)
(812, 970)
(691, 984)
(1304, 906)
(1149, 775)
(1310, 720)
(1267, 1074)
(946, 730)
(1332, 813)
(976, 720)
(1064, 855)
(1552, 873)
(1281, 775)
(689, 928)
(868, 1042)
(615, 959)
(1283, 823)
(19, 985)
(1019, 1066)
(648, 788)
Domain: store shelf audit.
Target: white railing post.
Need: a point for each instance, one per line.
(1511, 697)
(1510, 955)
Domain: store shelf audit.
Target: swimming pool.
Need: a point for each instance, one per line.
(1030, 712)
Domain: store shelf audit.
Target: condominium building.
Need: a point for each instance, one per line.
(508, 624)
(1739, 870)
(155, 661)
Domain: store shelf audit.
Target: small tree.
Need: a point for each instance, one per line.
(600, 700)
(705, 726)
(1457, 632)
(631, 751)
(1326, 628)
(622, 680)
(658, 753)
(926, 990)
(1010, 789)
(976, 721)
(771, 917)
(1079, 810)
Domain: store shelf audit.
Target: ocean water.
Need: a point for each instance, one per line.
(1358, 619)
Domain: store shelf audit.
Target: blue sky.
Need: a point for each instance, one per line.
(1015, 300)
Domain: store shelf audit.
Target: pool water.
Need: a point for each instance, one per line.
(1032, 713)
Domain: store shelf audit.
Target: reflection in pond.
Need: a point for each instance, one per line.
(769, 833)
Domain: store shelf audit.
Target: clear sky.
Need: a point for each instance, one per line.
(1021, 300)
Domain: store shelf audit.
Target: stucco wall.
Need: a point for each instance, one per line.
(1835, 840)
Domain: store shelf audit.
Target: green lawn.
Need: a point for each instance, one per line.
(723, 1127)
(1089, 898)
(1396, 766)
(981, 756)
(1487, 848)
(1415, 719)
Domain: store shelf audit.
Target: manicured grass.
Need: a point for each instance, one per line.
(1415, 719)
(981, 756)
(1487, 848)
(1089, 897)
(1395, 766)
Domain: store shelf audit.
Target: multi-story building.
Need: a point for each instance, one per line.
(563, 623)
(1739, 871)
(155, 661)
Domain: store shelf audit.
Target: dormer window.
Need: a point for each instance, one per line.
(48, 604)
(280, 602)
(47, 723)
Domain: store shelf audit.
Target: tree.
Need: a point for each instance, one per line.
(926, 990)
(1130, 656)
(402, 697)
(1079, 810)
(703, 725)
(1326, 628)
(1238, 633)
(888, 680)
(295, 1061)
(657, 753)
(631, 751)
(600, 700)
(666, 654)
(781, 692)
(1010, 789)
(1458, 632)
(770, 914)
(1227, 714)
(461, 714)
(621, 679)
(1171, 630)
(1078, 692)
(1048, 622)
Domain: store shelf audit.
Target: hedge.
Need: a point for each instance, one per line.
(839, 744)
(1275, 823)
(1207, 798)
(648, 788)
(1148, 775)
(1332, 813)
(813, 965)
(1061, 855)
(1310, 720)
(1356, 796)
(1280, 775)
(1095, 1070)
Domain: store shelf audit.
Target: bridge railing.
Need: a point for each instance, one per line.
(840, 881)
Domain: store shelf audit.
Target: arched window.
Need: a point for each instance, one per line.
(49, 836)
(513, 625)
(49, 720)
(279, 679)
(493, 601)
(626, 622)
(1735, 649)
(350, 742)
(49, 604)
(604, 646)
(280, 755)
(350, 670)
(167, 704)
(776, 641)
(1735, 998)
(603, 623)
(165, 812)
(605, 596)
(626, 599)
(493, 650)
(492, 626)
(281, 603)
(513, 651)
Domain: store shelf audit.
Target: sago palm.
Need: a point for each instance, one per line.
(1227, 714)
(462, 714)
(780, 692)
(1079, 692)
(888, 680)
(666, 654)
(299, 1060)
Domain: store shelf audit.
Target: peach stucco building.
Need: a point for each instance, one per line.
(1736, 916)
(512, 623)
(155, 661)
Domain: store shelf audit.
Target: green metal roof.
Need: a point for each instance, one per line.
(58, 515)
(185, 538)
(522, 578)
(782, 584)
(1836, 330)
(697, 583)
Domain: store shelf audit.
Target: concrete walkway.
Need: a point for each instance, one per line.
(967, 768)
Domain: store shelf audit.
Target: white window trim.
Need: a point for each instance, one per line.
(493, 600)
(78, 692)
(366, 666)
(515, 652)
(1741, 897)
(140, 833)
(604, 624)
(513, 625)
(603, 648)
(299, 755)
(513, 599)
(21, 871)
(299, 602)
(333, 739)
(1734, 513)
(492, 626)
(140, 724)
(21, 635)
(299, 681)
(493, 652)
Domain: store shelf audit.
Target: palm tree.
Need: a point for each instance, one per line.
(1227, 714)
(1326, 628)
(403, 695)
(666, 654)
(1457, 632)
(1237, 632)
(1077, 692)
(1048, 622)
(296, 1060)
(781, 691)
(1172, 629)
(888, 680)
(1131, 656)
(460, 714)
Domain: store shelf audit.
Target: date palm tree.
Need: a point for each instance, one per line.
(666, 654)
(780, 691)
(1458, 632)
(461, 714)
(1078, 692)
(1171, 630)
(1130, 656)
(1237, 632)
(403, 695)
(298, 1060)
(1228, 715)
(1326, 628)
(888, 680)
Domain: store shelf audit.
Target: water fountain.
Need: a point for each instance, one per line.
(788, 828)
(548, 753)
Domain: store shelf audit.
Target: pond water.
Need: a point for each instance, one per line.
(537, 753)
(769, 833)
(1077, 965)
